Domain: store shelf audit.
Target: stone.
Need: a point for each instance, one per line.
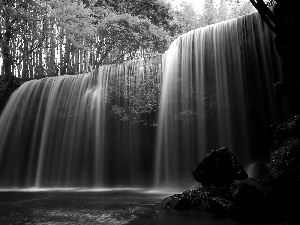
(255, 201)
(181, 201)
(175, 202)
(219, 168)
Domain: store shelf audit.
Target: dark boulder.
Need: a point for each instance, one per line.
(255, 201)
(219, 168)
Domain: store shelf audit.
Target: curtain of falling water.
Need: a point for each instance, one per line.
(61, 132)
(49, 134)
(217, 91)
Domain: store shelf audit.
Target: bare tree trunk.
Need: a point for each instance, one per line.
(61, 55)
(6, 53)
(25, 62)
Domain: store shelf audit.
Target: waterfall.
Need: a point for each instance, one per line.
(217, 91)
(73, 130)
(100, 129)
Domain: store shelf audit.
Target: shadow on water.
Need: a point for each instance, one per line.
(95, 206)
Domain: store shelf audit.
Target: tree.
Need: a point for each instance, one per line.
(77, 21)
(32, 30)
(246, 8)
(140, 88)
(223, 10)
(284, 22)
(157, 11)
(234, 8)
(22, 31)
(42, 37)
(75, 31)
(270, 3)
(121, 36)
(185, 19)
(209, 12)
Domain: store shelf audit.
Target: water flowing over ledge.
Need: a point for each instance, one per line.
(216, 91)
(60, 131)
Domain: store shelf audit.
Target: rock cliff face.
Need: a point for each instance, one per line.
(227, 191)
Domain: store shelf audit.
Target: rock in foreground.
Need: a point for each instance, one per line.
(219, 167)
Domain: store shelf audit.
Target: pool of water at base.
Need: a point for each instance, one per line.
(97, 206)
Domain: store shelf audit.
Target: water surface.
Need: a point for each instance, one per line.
(96, 206)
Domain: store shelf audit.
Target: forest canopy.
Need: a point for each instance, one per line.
(40, 38)
(55, 37)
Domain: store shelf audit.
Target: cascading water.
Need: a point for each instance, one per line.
(85, 130)
(217, 91)
(62, 131)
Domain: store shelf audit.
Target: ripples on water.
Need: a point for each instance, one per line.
(96, 206)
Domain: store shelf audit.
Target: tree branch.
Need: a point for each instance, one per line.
(266, 14)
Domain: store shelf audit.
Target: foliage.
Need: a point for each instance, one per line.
(157, 11)
(223, 10)
(75, 19)
(270, 3)
(49, 37)
(209, 12)
(32, 30)
(234, 9)
(120, 37)
(185, 19)
(246, 8)
(21, 31)
(134, 95)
